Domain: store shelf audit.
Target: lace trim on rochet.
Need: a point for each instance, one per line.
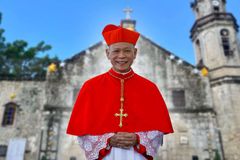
(93, 144)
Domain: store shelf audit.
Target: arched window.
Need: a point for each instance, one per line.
(225, 42)
(198, 47)
(216, 8)
(199, 53)
(9, 114)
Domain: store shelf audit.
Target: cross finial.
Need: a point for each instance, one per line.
(128, 11)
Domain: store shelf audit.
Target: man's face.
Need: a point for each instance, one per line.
(121, 56)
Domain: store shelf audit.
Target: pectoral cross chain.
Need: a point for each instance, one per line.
(121, 114)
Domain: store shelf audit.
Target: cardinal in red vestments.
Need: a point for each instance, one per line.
(119, 115)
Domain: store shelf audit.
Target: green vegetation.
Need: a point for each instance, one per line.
(18, 61)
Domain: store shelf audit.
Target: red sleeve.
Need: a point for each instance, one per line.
(142, 149)
(105, 151)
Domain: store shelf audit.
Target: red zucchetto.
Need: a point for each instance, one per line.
(114, 34)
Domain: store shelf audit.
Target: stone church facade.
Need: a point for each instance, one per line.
(204, 109)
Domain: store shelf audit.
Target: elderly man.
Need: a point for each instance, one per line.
(119, 115)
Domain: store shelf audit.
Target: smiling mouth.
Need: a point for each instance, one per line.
(121, 62)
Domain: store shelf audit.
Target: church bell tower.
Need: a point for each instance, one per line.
(214, 36)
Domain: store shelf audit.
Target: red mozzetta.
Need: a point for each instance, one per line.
(99, 100)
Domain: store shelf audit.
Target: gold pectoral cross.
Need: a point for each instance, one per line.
(121, 115)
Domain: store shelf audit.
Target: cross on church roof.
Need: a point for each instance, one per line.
(128, 11)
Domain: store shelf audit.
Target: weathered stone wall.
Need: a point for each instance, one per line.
(227, 102)
(154, 63)
(195, 134)
(30, 96)
(69, 146)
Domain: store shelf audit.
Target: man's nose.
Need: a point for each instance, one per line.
(121, 54)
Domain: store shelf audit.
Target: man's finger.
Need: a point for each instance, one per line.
(127, 143)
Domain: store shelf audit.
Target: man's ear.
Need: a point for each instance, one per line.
(107, 52)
